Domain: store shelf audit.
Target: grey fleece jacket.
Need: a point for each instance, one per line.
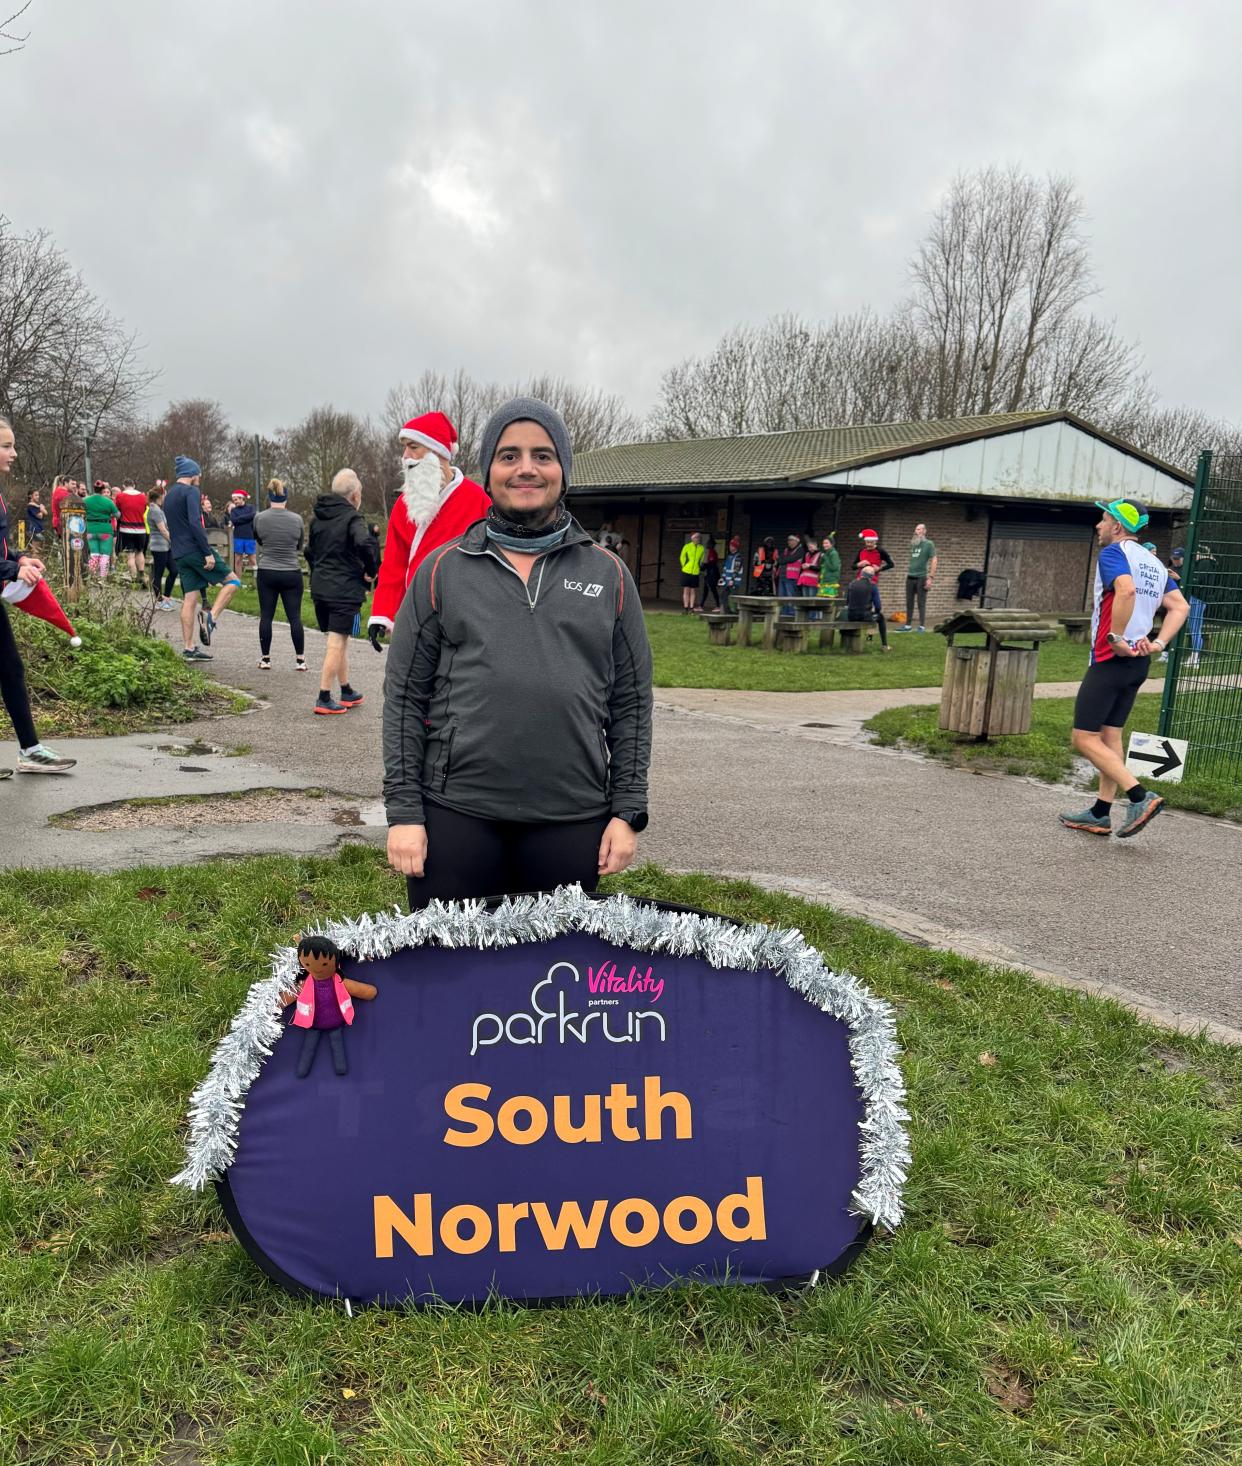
(518, 702)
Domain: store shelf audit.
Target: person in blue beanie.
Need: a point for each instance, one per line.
(197, 566)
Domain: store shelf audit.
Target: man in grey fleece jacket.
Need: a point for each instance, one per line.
(517, 697)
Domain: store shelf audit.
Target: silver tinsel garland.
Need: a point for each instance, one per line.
(217, 1103)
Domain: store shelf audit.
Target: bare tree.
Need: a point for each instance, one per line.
(595, 418)
(1177, 434)
(997, 323)
(1000, 284)
(18, 41)
(68, 369)
(328, 439)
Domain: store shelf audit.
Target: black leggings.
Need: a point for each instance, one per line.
(285, 586)
(13, 685)
(163, 573)
(475, 857)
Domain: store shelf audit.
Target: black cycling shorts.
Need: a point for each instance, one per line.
(1106, 697)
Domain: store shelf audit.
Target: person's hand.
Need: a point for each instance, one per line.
(376, 634)
(927, 584)
(1122, 648)
(1147, 646)
(209, 561)
(407, 848)
(30, 572)
(617, 849)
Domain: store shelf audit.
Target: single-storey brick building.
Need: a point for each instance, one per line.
(1010, 494)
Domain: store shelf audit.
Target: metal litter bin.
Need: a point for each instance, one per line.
(988, 690)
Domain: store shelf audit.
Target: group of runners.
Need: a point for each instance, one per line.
(517, 713)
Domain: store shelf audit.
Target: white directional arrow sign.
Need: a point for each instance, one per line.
(1153, 757)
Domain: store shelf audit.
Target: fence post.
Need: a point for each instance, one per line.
(1169, 696)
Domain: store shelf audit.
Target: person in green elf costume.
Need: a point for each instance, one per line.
(101, 517)
(830, 566)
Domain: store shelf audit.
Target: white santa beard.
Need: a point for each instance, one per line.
(423, 488)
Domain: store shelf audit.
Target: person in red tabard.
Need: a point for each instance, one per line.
(437, 503)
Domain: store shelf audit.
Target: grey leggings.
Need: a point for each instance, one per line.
(916, 585)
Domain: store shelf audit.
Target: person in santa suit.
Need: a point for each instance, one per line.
(437, 503)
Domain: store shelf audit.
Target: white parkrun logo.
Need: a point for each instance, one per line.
(586, 590)
(528, 1028)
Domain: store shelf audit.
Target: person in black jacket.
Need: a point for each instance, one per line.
(517, 699)
(344, 559)
(862, 602)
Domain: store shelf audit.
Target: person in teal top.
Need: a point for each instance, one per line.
(919, 576)
(692, 553)
(101, 516)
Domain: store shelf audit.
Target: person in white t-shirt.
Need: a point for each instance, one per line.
(1131, 585)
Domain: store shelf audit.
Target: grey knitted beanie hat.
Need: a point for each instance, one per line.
(527, 409)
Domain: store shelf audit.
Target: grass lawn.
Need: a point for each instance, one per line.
(1045, 753)
(1065, 1288)
(683, 658)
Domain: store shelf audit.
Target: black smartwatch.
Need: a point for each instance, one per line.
(635, 818)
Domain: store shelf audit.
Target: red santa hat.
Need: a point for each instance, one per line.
(868, 534)
(433, 430)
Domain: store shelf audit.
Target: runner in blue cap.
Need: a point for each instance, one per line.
(1131, 585)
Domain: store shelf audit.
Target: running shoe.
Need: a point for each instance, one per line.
(300, 665)
(1088, 822)
(43, 760)
(905, 628)
(205, 626)
(265, 664)
(923, 629)
(194, 654)
(1138, 815)
(6, 773)
(327, 709)
(349, 698)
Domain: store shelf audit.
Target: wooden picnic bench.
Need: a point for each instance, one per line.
(1077, 625)
(854, 634)
(720, 625)
(808, 613)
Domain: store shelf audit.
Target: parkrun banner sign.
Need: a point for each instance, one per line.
(553, 1096)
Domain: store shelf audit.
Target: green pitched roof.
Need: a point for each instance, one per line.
(805, 453)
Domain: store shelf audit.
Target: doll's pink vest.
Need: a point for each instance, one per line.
(304, 1016)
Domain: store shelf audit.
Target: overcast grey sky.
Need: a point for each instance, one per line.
(297, 201)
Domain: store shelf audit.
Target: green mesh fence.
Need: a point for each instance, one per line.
(1203, 690)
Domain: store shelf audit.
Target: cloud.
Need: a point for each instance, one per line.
(295, 204)
(274, 144)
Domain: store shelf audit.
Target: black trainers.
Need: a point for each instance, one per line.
(349, 698)
(327, 708)
(194, 654)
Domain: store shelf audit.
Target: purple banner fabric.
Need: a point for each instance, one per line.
(550, 1119)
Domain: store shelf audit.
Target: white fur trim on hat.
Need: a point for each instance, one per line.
(412, 435)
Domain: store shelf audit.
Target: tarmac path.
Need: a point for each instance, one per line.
(741, 785)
